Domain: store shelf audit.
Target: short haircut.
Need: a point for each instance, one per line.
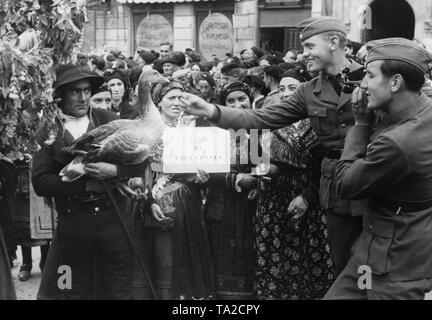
(343, 40)
(166, 44)
(413, 77)
(99, 62)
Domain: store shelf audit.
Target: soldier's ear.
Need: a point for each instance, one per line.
(397, 81)
(334, 43)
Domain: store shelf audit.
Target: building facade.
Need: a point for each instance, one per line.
(217, 27)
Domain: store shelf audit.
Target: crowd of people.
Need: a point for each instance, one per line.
(287, 234)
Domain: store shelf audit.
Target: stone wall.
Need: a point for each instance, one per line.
(350, 11)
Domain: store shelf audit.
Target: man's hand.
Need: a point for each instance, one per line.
(362, 115)
(298, 207)
(101, 170)
(194, 105)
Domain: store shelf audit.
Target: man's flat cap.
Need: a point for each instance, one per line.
(399, 49)
(316, 25)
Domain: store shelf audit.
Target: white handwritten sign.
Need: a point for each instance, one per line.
(188, 149)
(216, 36)
(152, 31)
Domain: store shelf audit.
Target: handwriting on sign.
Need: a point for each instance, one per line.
(153, 30)
(216, 36)
(188, 149)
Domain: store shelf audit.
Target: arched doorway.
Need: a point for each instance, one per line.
(390, 18)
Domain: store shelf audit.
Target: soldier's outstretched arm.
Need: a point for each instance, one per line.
(272, 117)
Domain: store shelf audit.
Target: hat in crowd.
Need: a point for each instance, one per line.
(274, 71)
(160, 89)
(177, 58)
(292, 73)
(180, 73)
(399, 49)
(207, 77)
(316, 25)
(147, 56)
(69, 73)
(233, 86)
(258, 52)
(116, 74)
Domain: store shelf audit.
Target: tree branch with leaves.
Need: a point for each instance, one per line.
(35, 36)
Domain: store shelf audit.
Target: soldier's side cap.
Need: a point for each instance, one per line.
(316, 25)
(399, 49)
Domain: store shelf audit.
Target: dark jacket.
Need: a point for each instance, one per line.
(50, 160)
(394, 172)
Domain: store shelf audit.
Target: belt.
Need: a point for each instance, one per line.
(89, 197)
(407, 206)
(334, 154)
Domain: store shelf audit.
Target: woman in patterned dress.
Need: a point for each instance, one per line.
(292, 254)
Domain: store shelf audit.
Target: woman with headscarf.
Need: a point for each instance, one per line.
(229, 211)
(181, 259)
(120, 88)
(292, 255)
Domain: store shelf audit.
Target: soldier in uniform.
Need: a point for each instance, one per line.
(327, 102)
(392, 168)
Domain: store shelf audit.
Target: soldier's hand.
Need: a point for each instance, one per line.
(194, 105)
(362, 115)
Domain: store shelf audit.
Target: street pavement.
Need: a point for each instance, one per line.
(27, 290)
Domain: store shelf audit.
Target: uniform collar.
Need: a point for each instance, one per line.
(399, 117)
(323, 77)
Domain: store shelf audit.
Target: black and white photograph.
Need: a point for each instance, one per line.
(218, 154)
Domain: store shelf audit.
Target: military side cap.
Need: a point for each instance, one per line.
(316, 25)
(399, 49)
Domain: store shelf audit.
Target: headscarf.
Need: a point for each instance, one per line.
(293, 73)
(232, 86)
(161, 89)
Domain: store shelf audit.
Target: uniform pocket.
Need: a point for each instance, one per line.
(318, 116)
(381, 237)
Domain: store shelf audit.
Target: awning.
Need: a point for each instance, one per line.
(161, 1)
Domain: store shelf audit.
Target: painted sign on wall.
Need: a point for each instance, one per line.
(216, 36)
(152, 31)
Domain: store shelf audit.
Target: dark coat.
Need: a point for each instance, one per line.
(50, 160)
(394, 171)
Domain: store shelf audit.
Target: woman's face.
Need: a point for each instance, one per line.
(170, 104)
(117, 88)
(287, 87)
(195, 69)
(101, 100)
(238, 100)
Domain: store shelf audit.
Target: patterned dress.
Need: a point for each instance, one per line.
(292, 256)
